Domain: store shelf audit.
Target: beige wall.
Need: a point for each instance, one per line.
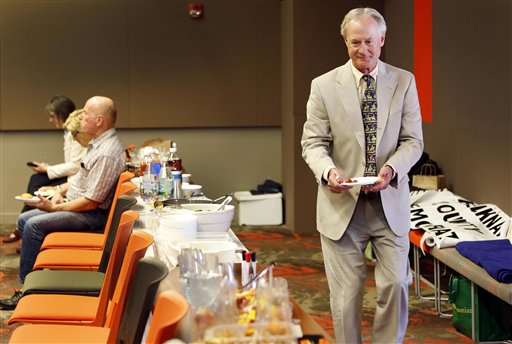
(162, 68)
(222, 160)
(471, 133)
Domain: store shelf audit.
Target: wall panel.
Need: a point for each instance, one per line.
(73, 48)
(162, 68)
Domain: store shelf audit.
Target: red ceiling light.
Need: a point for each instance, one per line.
(195, 11)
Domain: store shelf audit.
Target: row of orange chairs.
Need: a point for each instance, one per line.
(86, 258)
(118, 311)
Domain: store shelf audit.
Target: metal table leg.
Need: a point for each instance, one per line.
(438, 292)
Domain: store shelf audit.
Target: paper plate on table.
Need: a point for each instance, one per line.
(28, 200)
(360, 181)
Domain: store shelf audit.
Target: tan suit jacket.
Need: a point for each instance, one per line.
(334, 135)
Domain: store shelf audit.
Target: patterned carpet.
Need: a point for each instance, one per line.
(299, 260)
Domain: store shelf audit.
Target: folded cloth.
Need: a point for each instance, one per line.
(495, 256)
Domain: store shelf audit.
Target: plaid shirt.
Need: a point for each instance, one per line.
(100, 170)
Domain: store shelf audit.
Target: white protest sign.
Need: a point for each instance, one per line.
(448, 219)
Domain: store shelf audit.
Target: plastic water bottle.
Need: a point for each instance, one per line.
(164, 181)
(149, 179)
(177, 191)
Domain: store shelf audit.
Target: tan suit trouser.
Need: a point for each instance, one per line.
(345, 267)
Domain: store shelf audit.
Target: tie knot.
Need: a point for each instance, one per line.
(368, 79)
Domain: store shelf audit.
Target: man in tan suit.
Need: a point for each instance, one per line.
(338, 143)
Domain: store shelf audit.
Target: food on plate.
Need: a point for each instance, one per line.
(277, 328)
(246, 303)
(48, 193)
(27, 198)
(360, 181)
(249, 331)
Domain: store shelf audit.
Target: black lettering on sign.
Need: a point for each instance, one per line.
(488, 217)
(445, 208)
(454, 218)
(418, 214)
(466, 226)
(442, 231)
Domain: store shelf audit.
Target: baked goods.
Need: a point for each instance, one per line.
(28, 198)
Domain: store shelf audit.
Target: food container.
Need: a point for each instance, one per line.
(272, 332)
(259, 210)
(209, 219)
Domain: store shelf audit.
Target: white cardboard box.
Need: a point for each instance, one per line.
(265, 209)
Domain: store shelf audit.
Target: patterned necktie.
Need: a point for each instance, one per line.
(369, 112)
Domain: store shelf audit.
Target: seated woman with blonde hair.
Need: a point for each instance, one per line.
(72, 126)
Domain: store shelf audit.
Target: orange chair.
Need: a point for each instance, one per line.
(93, 241)
(86, 282)
(170, 308)
(44, 333)
(79, 309)
(83, 259)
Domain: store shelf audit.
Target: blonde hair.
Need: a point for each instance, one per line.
(72, 125)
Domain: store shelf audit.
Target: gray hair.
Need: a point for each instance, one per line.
(361, 13)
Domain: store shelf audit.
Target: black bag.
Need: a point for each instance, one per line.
(269, 186)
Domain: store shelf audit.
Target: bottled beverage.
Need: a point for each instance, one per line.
(177, 191)
(154, 158)
(174, 159)
(175, 169)
(164, 181)
(149, 179)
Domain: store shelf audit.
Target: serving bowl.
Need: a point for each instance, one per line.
(186, 177)
(191, 189)
(209, 219)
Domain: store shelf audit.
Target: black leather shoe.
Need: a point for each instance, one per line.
(11, 303)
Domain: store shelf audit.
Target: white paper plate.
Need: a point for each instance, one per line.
(47, 193)
(28, 200)
(362, 181)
